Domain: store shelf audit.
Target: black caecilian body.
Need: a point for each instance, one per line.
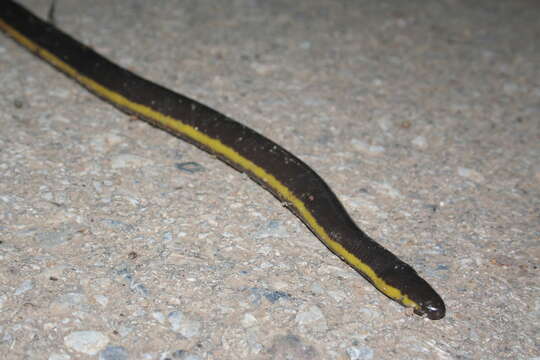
(270, 165)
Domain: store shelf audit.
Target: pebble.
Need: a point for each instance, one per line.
(124, 331)
(184, 355)
(248, 320)
(101, 300)
(251, 339)
(256, 294)
(72, 299)
(184, 325)
(274, 296)
(337, 295)
(316, 288)
(87, 342)
(420, 142)
(128, 161)
(24, 287)
(388, 190)
(471, 174)
(273, 228)
(190, 167)
(383, 120)
(57, 356)
(360, 353)
(311, 317)
(118, 225)
(104, 142)
(114, 353)
(363, 147)
(134, 285)
(158, 315)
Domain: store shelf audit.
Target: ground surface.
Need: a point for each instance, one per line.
(423, 116)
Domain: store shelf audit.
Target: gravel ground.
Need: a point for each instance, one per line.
(119, 241)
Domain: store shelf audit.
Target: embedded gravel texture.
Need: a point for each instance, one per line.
(119, 241)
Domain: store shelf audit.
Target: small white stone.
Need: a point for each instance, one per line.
(388, 190)
(24, 287)
(104, 142)
(249, 320)
(311, 317)
(360, 353)
(264, 250)
(125, 330)
(128, 161)
(158, 315)
(338, 295)
(471, 174)
(384, 121)
(57, 356)
(420, 142)
(101, 300)
(182, 324)
(361, 146)
(87, 342)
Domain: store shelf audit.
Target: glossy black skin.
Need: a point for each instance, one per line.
(287, 168)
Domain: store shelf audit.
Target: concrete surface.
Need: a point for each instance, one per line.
(119, 241)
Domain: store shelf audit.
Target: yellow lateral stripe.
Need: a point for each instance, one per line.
(219, 148)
